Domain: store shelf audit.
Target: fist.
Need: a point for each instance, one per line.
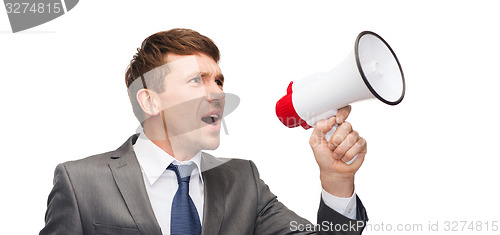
(332, 155)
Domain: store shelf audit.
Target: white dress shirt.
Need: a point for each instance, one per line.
(161, 184)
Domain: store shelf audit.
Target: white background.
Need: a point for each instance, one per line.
(433, 158)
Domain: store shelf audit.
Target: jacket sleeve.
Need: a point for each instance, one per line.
(332, 222)
(62, 215)
(275, 218)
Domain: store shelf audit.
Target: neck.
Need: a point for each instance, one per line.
(166, 146)
(159, 136)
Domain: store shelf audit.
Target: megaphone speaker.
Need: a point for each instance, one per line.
(371, 70)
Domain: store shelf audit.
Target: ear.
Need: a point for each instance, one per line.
(149, 102)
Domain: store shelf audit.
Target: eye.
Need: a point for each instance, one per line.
(195, 80)
(219, 82)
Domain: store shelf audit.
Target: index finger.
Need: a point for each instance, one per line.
(342, 114)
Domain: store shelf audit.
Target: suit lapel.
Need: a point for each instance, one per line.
(128, 177)
(215, 195)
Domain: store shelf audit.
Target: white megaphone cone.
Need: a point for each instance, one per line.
(371, 70)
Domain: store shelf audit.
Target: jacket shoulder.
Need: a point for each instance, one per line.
(96, 160)
(233, 166)
(102, 160)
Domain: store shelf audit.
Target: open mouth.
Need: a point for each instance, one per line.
(211, 119)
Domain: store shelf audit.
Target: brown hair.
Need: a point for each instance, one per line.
(152, 54)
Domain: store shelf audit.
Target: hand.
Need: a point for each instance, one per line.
(336, 176)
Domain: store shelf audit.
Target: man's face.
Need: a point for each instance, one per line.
(192, 102)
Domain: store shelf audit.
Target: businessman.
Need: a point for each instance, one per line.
(160, 182)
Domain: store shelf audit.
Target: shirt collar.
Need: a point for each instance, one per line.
(154, 161)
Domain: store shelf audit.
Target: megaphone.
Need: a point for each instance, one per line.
(371, 70)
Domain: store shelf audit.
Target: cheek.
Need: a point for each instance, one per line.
(182, 107)
(182, 96)
(181, 120)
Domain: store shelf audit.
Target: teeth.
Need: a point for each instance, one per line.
(211, 119)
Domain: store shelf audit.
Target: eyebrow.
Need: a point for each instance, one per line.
(218, 76)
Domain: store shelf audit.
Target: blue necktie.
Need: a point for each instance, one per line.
(184, 219)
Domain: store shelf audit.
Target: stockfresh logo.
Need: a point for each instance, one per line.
(25, 14)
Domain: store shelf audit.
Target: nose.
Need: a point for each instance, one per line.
(214, 92)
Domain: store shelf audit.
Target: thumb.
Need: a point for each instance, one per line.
(322, 127)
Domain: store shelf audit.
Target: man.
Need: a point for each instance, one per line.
(159, 181)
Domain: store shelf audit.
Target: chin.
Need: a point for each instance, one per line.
(211, 143)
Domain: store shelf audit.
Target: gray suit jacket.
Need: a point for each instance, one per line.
(105, 194)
